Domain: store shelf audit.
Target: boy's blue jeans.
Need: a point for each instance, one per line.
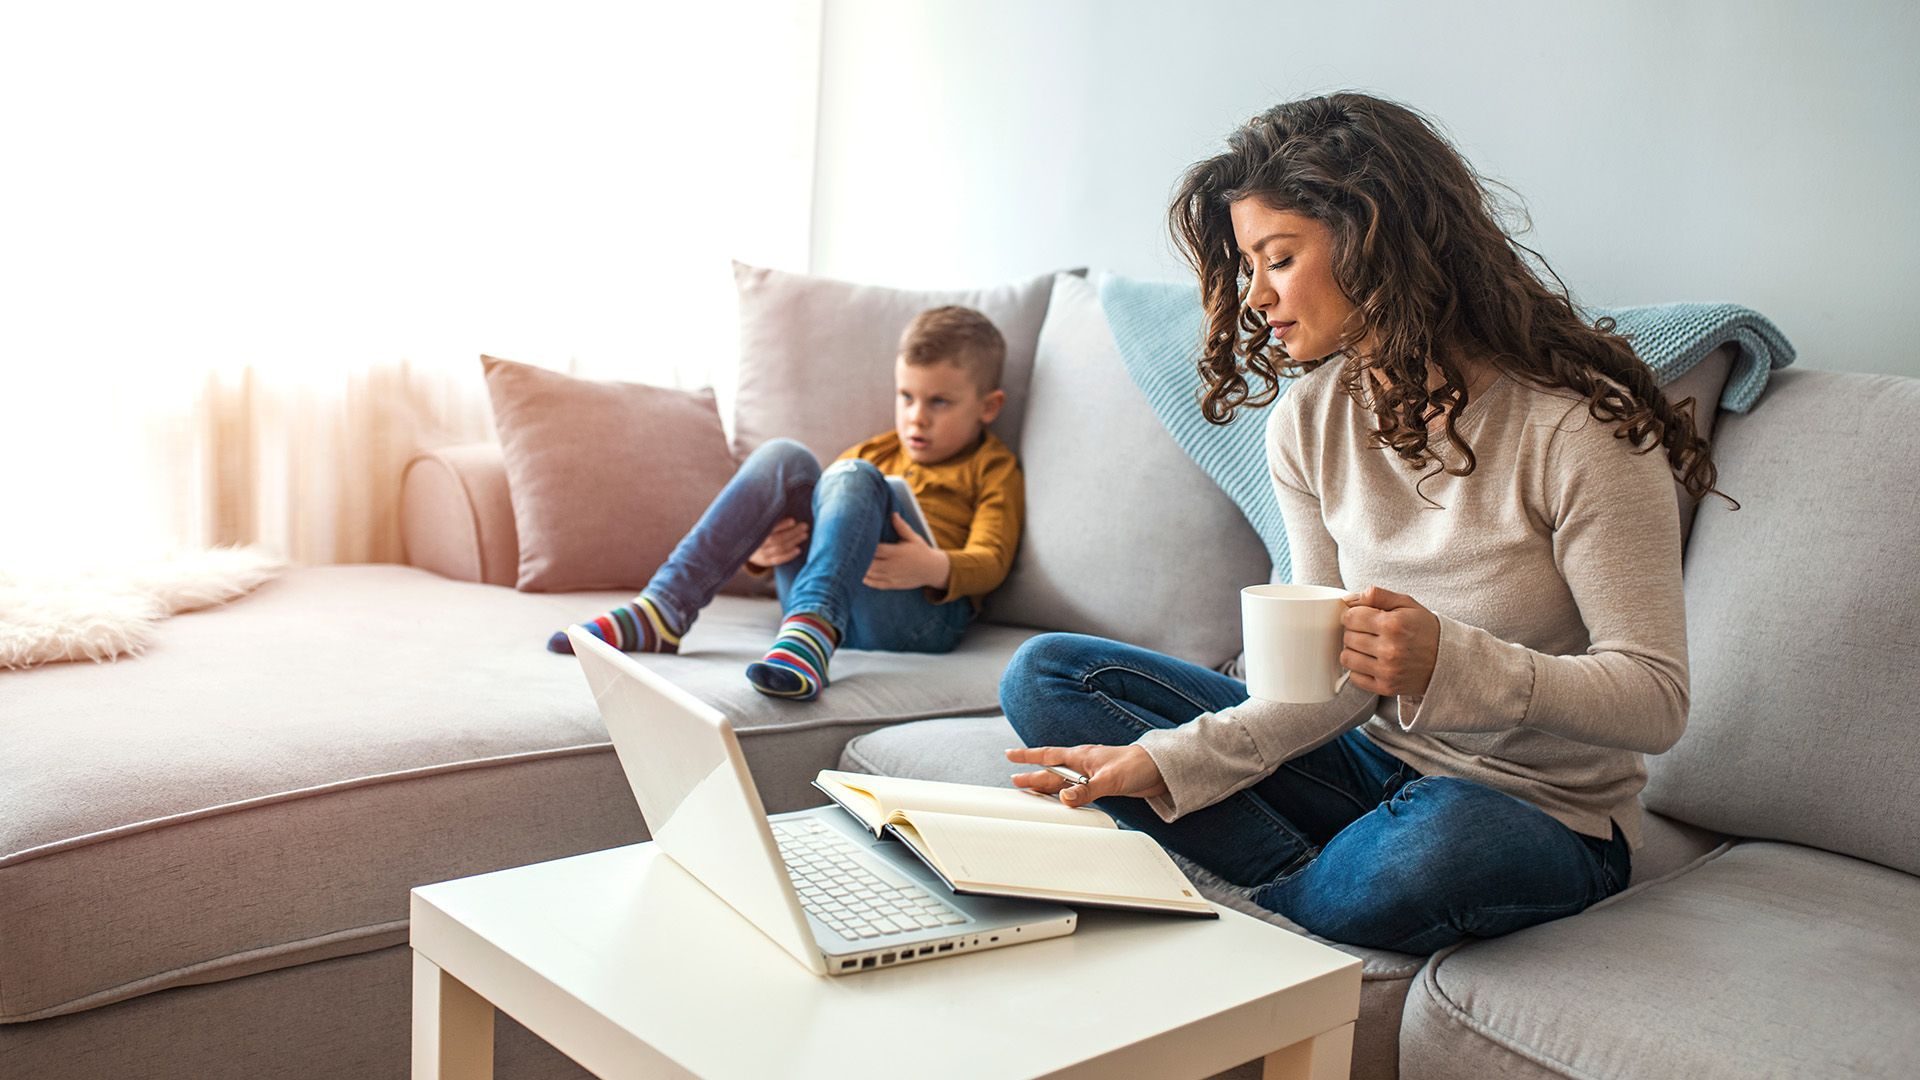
(1346, 840)
(850, 508)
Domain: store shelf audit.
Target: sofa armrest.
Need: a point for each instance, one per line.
(455, 517)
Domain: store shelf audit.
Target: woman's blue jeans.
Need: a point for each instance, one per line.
(850, 507)
(1345, 840)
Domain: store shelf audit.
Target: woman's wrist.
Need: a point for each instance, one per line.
(1153, 784)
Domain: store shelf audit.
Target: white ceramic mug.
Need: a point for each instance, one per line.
(1293, 637)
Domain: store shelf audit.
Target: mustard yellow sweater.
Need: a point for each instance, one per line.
(974, 502)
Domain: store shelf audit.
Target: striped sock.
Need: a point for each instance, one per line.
(637, 627)
(796, 666)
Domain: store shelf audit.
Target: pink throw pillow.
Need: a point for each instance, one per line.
(605, 477)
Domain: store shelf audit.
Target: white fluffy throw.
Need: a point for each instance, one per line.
(104, 614)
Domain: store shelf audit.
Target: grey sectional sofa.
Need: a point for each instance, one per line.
(205, 852)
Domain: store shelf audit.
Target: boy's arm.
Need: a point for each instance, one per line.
(978, 568)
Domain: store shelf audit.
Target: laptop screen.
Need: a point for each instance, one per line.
(691, 781)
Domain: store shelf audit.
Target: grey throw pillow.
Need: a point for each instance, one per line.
(1125, 537)
(816, 355)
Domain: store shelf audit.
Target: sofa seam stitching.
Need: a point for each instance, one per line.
(66, 1008)
(1695, 863)
(74, 843)
(855, 756)
(1461, 1018)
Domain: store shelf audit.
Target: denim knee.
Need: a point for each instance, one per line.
(1043, 668)
(855, 471)
(860, 466)
(1408, 890)
(1024, 668)
(790, 457)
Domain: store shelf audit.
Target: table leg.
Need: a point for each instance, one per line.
(452, 1027)
(1327, 1056)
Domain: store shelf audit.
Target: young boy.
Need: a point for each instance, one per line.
(850, 571)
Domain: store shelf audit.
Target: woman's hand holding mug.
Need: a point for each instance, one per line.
(1110, 770)
(1391, 643)
(1304, 643)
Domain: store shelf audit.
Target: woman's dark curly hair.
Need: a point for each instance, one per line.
(1419, 250)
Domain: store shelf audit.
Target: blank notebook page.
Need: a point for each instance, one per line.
(1055, 858)
(948, 798)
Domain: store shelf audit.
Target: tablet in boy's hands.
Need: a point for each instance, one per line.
(903, 494)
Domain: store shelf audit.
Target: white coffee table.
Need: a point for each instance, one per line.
(628, 965)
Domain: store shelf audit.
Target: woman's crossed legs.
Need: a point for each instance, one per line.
(1345, 840)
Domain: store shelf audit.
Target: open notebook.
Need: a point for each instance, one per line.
(1007, 842)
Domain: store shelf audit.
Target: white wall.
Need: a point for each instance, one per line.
(1765, 153)
(210, 183)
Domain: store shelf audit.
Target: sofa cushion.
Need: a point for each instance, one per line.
(1125, 537)
(1769, 960)
(264, 786)
(1803, 612)
(969, 751)
(816, 356)
(604, 477)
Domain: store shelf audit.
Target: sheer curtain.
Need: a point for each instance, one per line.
(251, 254)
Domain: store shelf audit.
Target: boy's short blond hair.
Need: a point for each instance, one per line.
(960, 336)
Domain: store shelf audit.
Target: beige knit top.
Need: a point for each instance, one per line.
(1555, 572)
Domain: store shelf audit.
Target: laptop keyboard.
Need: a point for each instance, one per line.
(857, 898)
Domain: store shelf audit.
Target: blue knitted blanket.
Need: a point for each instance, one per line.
(1157, 328)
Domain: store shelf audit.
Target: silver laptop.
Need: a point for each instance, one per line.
(814, 881)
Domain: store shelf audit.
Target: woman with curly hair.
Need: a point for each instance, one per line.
(1472, 461)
